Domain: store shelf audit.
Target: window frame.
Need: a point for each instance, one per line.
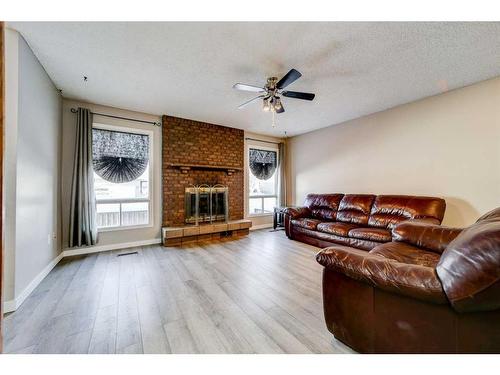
(150, 134)
(258, 146)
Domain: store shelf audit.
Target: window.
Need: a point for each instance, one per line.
(262, 181)
(122, 177)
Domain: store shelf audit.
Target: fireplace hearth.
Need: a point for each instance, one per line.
(206, 204)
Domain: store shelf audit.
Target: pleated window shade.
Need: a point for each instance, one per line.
(262, 163)
(119, 156)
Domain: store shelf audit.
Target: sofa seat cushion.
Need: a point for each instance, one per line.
(306, 223)
(371, 234)
(407, 254)
(328, 239)
(337, 228)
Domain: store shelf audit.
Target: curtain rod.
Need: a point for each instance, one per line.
(260, 140)
(73, 110)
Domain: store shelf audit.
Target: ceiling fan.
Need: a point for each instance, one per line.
(272, 92)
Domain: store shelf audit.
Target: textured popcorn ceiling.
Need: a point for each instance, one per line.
(188, 69)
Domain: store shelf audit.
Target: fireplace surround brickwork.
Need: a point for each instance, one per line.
(193, 142)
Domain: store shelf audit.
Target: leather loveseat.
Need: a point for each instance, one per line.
(433, 289)
(358, 220)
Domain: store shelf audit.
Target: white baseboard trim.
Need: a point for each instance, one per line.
(118, 246)
(261, 226)
(9, 306)
(13, 304)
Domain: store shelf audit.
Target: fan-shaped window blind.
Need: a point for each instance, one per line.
(119, 157)
(262, 163)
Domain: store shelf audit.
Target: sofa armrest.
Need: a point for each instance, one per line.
(387, 274)
(292, 213)
(421, 233)
(297, 212)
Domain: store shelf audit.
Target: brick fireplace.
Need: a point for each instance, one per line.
(196, 153)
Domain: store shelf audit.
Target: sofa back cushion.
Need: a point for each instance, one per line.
(323, 206)
(355, 208)
(389, 210)
(469, 268)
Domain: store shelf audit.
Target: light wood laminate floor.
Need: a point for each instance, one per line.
(257, 294)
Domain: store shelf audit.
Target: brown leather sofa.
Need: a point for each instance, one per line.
(358, 220)
(433, 290)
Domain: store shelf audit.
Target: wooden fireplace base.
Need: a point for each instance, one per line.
(178, 236)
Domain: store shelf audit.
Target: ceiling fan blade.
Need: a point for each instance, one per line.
(298, 95)
(249, 101)
(244, 87)
(288, 78)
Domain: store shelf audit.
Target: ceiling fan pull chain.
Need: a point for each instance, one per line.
(274, 122)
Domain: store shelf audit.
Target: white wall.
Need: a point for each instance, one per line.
(110, 239)
(38, 158)
(447, 145)
(32, 158)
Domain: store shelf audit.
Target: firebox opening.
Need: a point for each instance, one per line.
(205, 203)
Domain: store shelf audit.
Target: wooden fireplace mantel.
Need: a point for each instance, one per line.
(185, 168)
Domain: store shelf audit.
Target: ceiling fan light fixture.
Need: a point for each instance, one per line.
(266, 107)
(277, 104)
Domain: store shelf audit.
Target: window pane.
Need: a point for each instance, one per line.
(108, 215)
(255, 206)
(135, 213)
(269, 204)
(138, 188)
(262, 187)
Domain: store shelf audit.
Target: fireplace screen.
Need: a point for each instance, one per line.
(206, 203)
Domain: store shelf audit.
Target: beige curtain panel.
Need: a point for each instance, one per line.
(83, 228)
(282, 173)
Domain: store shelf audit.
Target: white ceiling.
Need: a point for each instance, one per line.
(188, 69)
